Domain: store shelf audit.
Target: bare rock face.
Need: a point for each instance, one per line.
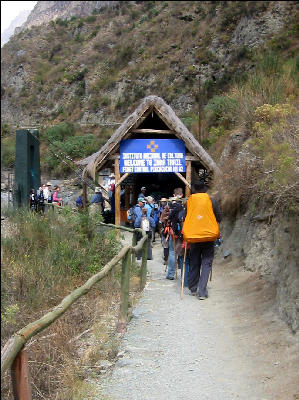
(268, 246)
(46, 11)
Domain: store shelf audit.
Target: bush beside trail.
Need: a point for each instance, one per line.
(43, 260)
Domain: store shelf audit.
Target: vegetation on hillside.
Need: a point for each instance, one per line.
(104, 64)
(43, 260)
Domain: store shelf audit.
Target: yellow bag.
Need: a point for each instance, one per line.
(200, 223)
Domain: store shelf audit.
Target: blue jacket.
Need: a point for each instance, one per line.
(137, 213)
(97, 198)
(149, 209)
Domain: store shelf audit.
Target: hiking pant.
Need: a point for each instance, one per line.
(171, 269)
(201, 259)
(149, 245)
(165, 253)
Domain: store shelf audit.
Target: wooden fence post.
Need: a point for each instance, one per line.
(124, 295)
(144, 264)
(20, 377)
(84, 196)
(134, 242)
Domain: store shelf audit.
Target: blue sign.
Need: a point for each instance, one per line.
(152, 155)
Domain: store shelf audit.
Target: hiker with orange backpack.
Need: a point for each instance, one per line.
(201, 229)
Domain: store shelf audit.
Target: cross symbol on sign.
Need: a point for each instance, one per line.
(152, 146)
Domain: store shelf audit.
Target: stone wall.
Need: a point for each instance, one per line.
(270, 247)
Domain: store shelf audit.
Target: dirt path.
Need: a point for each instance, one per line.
(230, 346)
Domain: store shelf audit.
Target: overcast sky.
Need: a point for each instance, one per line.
(11, 9)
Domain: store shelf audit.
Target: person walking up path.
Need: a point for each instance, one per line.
(185, 349)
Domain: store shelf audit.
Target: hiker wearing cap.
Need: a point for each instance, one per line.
(163, 203)
(97, 201)
(135, 215)
(201, 229)
(147, 224)
(142, 190)
(48, 192)
(149, 205)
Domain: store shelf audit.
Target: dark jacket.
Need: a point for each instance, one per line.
(176, 217)
(216, 209)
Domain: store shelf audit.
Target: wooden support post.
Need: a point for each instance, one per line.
(20, 377)
(84, 196)
(124, 295)
(134, 242)
(188, 178)
(127, 197)
(144, 264)
(117, 192)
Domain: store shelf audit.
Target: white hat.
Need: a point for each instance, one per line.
(143, 188)
(97, 190)
(49, 184)
(149, 199)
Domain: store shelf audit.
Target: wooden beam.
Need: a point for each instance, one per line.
(191, 158)
(183, 179)
(122, 179)
(113, 157)
(188, 179)
(163, 131)
(117, 192)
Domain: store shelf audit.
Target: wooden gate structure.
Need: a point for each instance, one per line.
(153, 119)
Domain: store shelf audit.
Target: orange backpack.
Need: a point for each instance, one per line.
(200, 223)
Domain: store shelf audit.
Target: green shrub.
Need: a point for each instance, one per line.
(76, 75)
(214, 134)
(80, 24)
(5, 130)
(90, 18)
(60, 132)
(8, 151)
(48, 256)
(221, 110)
(95, 32)
(61, 22)
(73, 146)
(276, 149)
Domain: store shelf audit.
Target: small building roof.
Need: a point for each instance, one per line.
(149, 104)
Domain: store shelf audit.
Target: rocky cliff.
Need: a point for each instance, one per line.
(17, 22)
(90, 70)
(46, 11)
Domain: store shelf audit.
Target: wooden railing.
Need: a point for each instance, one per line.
(14, 355)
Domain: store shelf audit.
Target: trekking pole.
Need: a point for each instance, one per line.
(211, 274)
(183, 275)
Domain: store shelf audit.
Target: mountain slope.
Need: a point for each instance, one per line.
(91, 70)
(16, 22)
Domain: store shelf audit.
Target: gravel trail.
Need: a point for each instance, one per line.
(191, 349)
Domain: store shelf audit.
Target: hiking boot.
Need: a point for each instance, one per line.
(170, 278)
(201, 298)
(192, 293)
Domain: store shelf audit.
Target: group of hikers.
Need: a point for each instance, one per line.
(45, 194)
(188, 229)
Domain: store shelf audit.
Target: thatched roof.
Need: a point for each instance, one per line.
(96, 161)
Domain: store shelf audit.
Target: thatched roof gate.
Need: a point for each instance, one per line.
(152, 118)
